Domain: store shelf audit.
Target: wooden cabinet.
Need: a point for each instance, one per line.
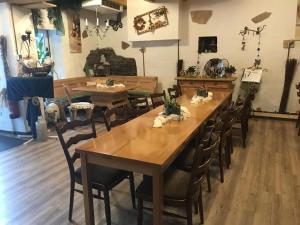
(188, 84)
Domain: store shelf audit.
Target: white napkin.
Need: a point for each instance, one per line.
(115, 85)
(197, 99)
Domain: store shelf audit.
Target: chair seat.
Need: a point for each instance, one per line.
(82, 105)
(102, 175)
(176, 183)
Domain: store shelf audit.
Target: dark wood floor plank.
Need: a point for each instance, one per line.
(261, 187)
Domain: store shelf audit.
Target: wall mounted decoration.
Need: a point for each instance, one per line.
(207, 44)
(246, 31)
(201, 16)
(261, 17)
(125, 45)
(152, 20)
(3, 53)
(74, 31)
(297, 33)
(118, 65)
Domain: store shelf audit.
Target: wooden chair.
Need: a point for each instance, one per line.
(103, 179)
(158, 99)
(116, 116)
(202, 141)
(241, 115)
(139, 105)
(181, 188)
(174, 92)
(76, 106)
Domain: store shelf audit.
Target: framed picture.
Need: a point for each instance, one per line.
(74, 32)
(151, 20)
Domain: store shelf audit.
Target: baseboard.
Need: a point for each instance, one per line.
(14, 132)
(273, 115)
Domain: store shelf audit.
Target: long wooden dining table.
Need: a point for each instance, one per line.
(137, 146)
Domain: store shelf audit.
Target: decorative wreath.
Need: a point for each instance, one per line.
(139, 23)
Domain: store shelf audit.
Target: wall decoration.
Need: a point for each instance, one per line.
(3, 53)
(125, 45)
(261, 17)
(207, 44)
(98, 60)
(246, 31)
(150, 21)
(48, 19)
(201, 16)
(74, 31)
(297, 33)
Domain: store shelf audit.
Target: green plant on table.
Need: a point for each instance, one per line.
(202, 92)
(172, 107)
(110, 82)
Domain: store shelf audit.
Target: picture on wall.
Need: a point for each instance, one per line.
(74, 32)
(298, 21)
(152, 20)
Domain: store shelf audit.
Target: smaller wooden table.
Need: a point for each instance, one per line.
(109, 97)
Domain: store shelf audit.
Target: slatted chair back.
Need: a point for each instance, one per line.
(178, 89)
(116, 116)
(158, 99)
(68, 93)
(140, 105)
(62, 128)
(173, 93)
(201, 163)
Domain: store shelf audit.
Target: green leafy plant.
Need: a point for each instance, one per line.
(230, 69)
(202, 92)
(110, 82)
(191, 69)
(42, 53)
(172, 107)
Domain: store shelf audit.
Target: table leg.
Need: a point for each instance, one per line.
(157, 197)
(87, 191)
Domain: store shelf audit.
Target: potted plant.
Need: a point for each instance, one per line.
(191, 71)
(202, 92)
(229, 70)
(172, 107)
(110, 82)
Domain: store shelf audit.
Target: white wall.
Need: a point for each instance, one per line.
(229, 17)
(71, 64)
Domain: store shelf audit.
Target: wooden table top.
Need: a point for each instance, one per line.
(138, 141)
(104, 90)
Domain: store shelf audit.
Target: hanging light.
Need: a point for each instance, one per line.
(100, 32)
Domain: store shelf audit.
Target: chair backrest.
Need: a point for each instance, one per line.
(178, 89)
(158, 99)
(139, 105)
(174, 92)
(298, 86)
(201, 162)
(62, 128)
(68, 93)
(116, 116)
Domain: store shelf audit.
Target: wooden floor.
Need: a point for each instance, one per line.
(261, 188)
